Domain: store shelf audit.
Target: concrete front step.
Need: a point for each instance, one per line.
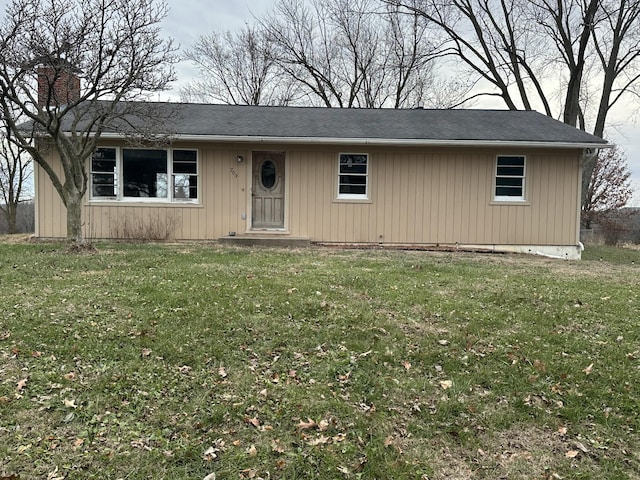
(265, 241)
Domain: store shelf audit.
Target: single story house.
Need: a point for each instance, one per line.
(470, 179)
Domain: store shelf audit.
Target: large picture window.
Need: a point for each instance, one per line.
(144, 174)
(510, 178)
(353, 176)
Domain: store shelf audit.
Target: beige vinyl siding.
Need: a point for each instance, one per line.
(416, 196)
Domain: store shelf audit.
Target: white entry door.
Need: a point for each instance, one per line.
(267, 190)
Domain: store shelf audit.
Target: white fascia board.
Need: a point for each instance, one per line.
(418, 142)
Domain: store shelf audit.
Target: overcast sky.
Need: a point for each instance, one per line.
(188, 19)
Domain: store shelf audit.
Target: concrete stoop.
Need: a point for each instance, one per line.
(265, 241)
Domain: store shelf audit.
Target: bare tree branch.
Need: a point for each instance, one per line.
(113, 47)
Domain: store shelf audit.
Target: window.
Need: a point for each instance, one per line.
(353, 176)
(510, 178)
(149, 174)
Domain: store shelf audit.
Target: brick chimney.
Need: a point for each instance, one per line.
(61, 81)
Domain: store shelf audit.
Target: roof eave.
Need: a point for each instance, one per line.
(410, 142)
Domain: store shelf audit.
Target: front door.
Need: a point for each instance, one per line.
(267, 190)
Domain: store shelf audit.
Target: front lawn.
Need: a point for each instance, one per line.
(183, 361)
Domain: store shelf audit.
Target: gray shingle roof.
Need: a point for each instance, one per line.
(375, 125)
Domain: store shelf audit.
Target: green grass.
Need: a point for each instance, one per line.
(178, 361)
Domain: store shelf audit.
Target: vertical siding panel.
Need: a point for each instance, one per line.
(436, 187)
(328, 171)
(427, 202)
(294, 180)
(406, 207)
(418, 204)
(451, 200)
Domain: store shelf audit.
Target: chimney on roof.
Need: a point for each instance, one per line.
(58, 84)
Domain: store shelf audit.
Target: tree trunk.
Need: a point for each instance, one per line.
(74, 218)
(12, 214)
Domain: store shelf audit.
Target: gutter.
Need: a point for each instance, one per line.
(411, 142)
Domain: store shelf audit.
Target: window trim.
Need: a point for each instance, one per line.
(518, 199)
(355, 197)
(119, 175)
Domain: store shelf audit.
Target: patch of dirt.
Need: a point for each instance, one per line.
(521, 452)
(75, 248)
(17, 238)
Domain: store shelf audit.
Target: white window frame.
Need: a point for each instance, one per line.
(354, 196)
(523, 177)
(119, 175)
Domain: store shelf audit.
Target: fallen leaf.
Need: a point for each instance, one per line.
(407, 365)
(70, 403)
(323, 425)
(222, 372)
(572, 454)
(444, 343)
(344, 470)
(446, 384)
(588, 369)
(253, 421)
(539, 366)
(305, 425)
(276, 447)
(211, 476)
(341, 437)
(146, 352)
(388, 441)
(184, 369)
(321, 440)
(78, 442)
(562, 430)
(581, 447)
(70, 376)
(21, 384)
(251, 451)
(263, 392)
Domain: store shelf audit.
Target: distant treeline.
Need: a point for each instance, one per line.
(25, 219)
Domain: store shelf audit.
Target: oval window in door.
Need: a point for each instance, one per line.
(268, 174)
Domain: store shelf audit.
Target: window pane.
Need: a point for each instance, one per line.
(511, 171)
(353, 180)
(184, 156)
(353, 189)
(353, 164)
(508, 192)
(103, 179)
(145, 173)
(508, 182)
(103, 190)
(185, 187)
(511, 161)
(103, 172)
(185, 161)
(184, 167)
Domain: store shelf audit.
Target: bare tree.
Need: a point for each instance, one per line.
(70, 68)
(609, 187)
(15, 171)
(346, 53)
(237, 68)
(572, 59)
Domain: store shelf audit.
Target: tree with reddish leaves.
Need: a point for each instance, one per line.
(608, 191)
